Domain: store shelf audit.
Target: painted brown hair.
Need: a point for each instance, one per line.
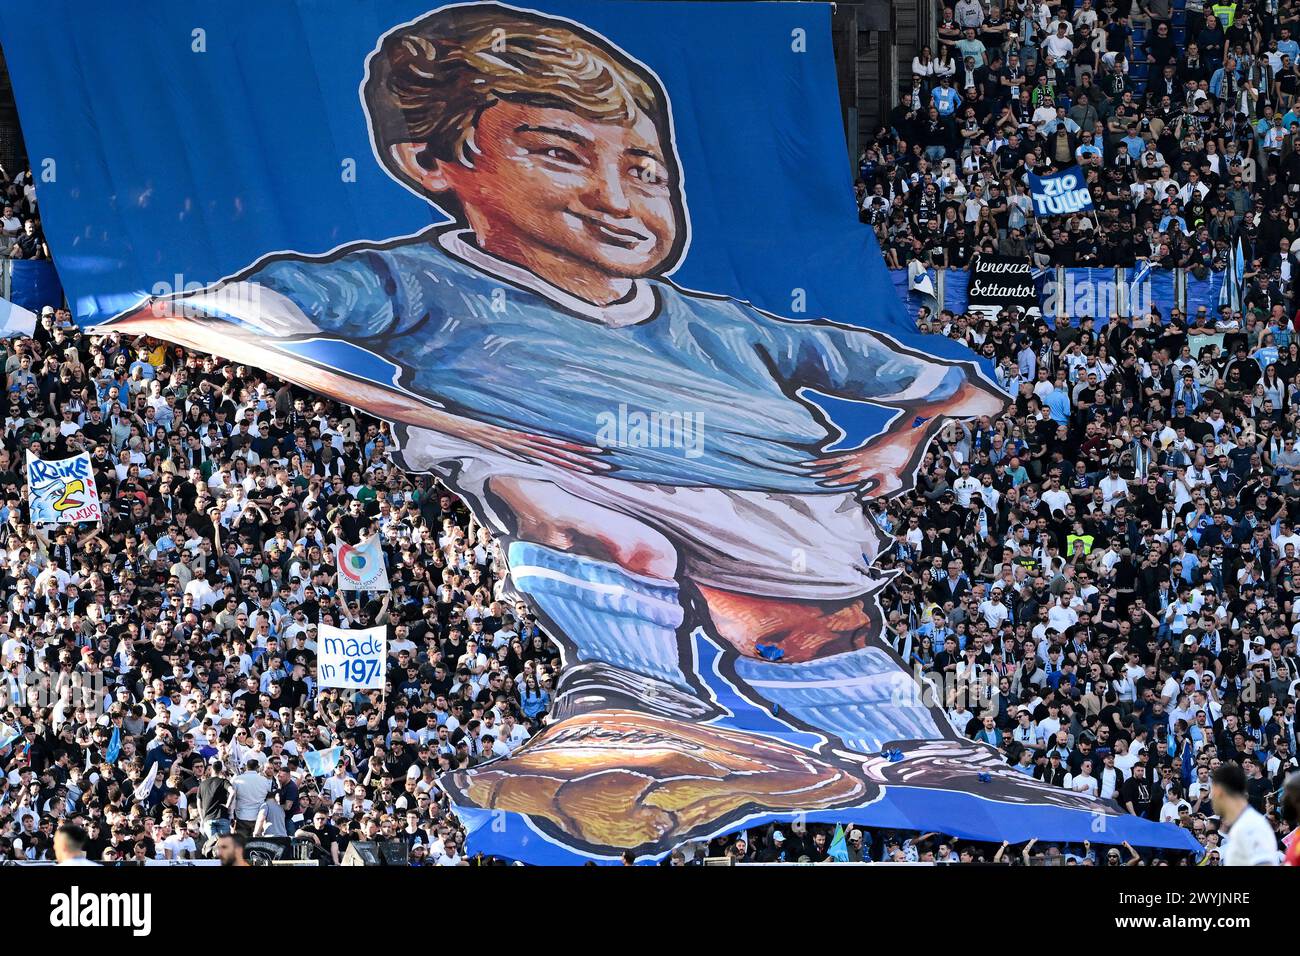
(430, 80)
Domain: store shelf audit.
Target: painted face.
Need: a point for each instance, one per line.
(577, 202)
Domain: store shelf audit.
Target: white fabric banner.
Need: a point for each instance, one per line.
(353, 659)
(62, 492)
(361, 567)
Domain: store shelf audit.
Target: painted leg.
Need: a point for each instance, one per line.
(866, 700)
(833, 674)
(626, 762)
(605, 585)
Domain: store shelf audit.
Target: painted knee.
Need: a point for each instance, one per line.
(546, 514)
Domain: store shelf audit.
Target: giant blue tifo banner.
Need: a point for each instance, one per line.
(1060, 194)
(529, 238)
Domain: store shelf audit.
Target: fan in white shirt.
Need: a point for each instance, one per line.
(993, 610)
(1173, 808)
(1083, 781)
(177, 846)
(1250, 840)
(1126, 757)
(1169, 691)
(1282, 540)
(1056, 498)
(1062, 616)
(964, 487)
(1113, 488)
(1258, 653)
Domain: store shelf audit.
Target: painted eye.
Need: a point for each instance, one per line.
(650, 173)
(559, 154)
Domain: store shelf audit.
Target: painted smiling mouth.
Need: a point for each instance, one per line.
(619, 235)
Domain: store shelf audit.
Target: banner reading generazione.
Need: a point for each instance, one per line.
(500, 228)
(1000, 282)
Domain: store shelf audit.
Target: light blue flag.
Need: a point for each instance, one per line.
(1233, 276)
(321, 763)
(114, 746)
(839, 850)
(8, 735)
(1238, 273)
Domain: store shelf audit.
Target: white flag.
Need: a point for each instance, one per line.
(146, 785)
(918, 279)
(15, 320)
(361, 567)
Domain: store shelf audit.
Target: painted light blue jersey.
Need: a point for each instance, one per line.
(475, 339)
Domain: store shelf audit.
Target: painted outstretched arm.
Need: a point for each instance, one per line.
(256, 337)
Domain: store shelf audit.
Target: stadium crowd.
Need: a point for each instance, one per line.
(1104, 583)
(158, 667)
(1118, 557)
(1115, 557)
(1182, 117)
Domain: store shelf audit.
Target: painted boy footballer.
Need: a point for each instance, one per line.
(497, 345)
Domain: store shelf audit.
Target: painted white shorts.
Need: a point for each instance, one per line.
(800, 547)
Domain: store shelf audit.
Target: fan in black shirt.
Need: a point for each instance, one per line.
(1138, 795)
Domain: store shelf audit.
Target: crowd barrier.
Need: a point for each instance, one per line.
(1100, 293)
(122, 864)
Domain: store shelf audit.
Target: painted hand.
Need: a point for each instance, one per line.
(877, 469)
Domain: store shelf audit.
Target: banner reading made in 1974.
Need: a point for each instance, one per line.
(62, 492)
(352, 658)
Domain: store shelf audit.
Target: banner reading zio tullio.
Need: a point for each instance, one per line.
(62, 492)
(1061, 194)
(590, 168)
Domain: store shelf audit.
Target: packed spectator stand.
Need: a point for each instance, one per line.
(1117, 552)
(1118, 556)
(1181, 117)
(159, 664)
